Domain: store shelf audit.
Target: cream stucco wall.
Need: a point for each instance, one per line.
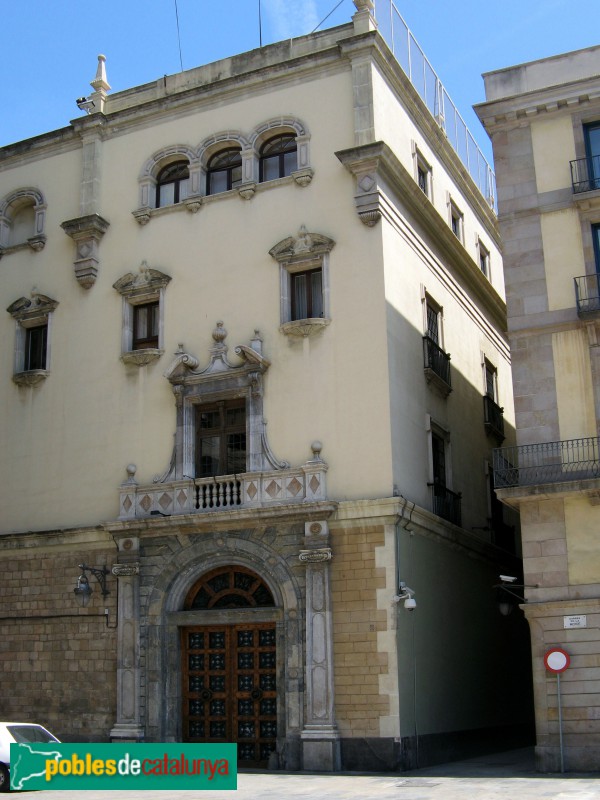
(582, 522)
(574, 392)
(563, 256)
(93, 415)
(549, 137)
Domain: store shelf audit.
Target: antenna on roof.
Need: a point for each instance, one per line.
(178, 35)
(259, 25)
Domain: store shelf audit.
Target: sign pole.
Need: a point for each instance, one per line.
(560, 726)
(558, 660)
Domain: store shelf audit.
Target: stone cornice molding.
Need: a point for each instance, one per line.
(221, 520)
(512, 111)
(376, 170)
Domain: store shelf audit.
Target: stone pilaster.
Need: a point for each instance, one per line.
(320, 738)
(128, 726)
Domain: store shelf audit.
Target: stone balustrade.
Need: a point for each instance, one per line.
(304, 484)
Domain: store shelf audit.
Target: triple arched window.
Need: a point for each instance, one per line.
(224, 162)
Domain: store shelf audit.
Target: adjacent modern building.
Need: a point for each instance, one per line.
(286, 236)
(544, 121)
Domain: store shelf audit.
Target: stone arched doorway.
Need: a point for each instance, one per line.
(230, 668)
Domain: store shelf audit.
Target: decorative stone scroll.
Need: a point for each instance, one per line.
(125, 570)
(315, 556)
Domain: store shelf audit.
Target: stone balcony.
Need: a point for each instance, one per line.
(250, 490)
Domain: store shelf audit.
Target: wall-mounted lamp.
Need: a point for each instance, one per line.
(83, 590)
(506, 593)
(407, 594)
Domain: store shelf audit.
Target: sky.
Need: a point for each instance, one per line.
(48, 50)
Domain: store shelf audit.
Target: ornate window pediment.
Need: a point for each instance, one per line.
(304, 281)
(32, 342)
(199, 392)
(142, 340)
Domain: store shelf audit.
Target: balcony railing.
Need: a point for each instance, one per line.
(493, 417)
(549, 462)
(446, 504)
(587, 294)
(585, 174)
(437, 362)
(303, 484)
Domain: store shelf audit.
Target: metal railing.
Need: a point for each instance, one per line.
(585, 174)
(548, 462)
(423, 77)
(493, 416)
(446, 504)
(587, 293)
(436, 359)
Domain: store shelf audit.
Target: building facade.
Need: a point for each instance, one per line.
(544, 121)
(285, 235)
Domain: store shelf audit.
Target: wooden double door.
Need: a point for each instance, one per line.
(230, 689)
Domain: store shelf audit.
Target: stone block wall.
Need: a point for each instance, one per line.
(57, 659)
(358, 663)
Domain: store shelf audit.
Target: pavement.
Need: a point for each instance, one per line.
(501, 776)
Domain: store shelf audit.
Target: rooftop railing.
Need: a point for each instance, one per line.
(548, 462)
(423, 77)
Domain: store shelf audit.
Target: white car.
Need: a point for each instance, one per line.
(18, 733)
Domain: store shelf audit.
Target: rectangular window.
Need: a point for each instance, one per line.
(422, 171)
(307, 294)
(221, 439)
(484, 260)
(591, 134)
(438, 454)
(490, 381)
(145, 326)
(433, 323)
(36, 340)
(456, 222)
(596, 239)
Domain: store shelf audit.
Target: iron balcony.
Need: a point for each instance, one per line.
(587, 294)
(585, 174)
(548, 462)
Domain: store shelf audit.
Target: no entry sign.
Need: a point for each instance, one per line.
(557, 660)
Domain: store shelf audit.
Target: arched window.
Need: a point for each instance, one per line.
(224, 171)
(172, 184)
(229, 587)
(278, 157)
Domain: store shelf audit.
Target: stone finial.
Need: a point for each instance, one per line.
(131, 469)
(316, 448)
(364, 5)
(100, 84)
(219, 334)
(256, 342)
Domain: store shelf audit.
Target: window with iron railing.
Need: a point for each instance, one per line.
(585, 172)
(587, 294)
(436, 361)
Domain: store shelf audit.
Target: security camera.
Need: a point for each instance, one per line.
(410, 604)
(85, 104)
(507, 578)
